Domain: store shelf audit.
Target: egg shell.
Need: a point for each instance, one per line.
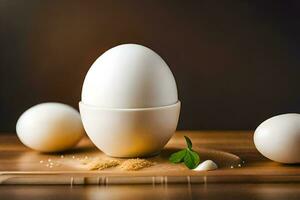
(278, 138)
(129, 76)
(50, 127)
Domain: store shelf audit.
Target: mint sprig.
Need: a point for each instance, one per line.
(190, 157)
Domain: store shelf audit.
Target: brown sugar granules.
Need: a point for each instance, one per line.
(128, 165)
(99, 164)
(135, 164)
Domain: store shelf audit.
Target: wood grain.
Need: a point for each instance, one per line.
(219, 191)
(20, 165)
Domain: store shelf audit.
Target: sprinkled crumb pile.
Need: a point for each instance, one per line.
(128, 165)
(98, 164)
(135, 164)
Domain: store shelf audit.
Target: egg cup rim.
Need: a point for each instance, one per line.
(178, 103)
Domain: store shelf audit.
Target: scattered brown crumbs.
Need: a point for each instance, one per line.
(98, 164)
(86, 161)
(135, 164)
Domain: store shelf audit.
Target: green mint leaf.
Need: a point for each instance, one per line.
(188, 142)
(191, 159)
(178, 156)
(188, 155)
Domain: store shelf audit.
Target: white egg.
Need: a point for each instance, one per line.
(278, 138)
(50, 127)
(129, 104)
(129, 76)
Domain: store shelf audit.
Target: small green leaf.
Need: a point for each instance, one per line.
(188, 155)
(178, 156)
(191, 159)
(188, 142)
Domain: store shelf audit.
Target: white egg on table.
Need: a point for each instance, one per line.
(129, 103)
(278, 138)
(50, 127)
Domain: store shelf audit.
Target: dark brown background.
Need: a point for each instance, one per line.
(235, 63)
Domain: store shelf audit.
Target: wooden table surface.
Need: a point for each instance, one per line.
(269, 180)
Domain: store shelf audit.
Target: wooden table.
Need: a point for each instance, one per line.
(258, 178)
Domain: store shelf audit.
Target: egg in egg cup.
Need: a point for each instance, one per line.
(129, 105)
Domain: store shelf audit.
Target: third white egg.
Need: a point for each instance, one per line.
(278, 138)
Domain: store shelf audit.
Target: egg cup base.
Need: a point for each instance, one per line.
(129, 133)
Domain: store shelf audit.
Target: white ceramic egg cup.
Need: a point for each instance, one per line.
(137, 132)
